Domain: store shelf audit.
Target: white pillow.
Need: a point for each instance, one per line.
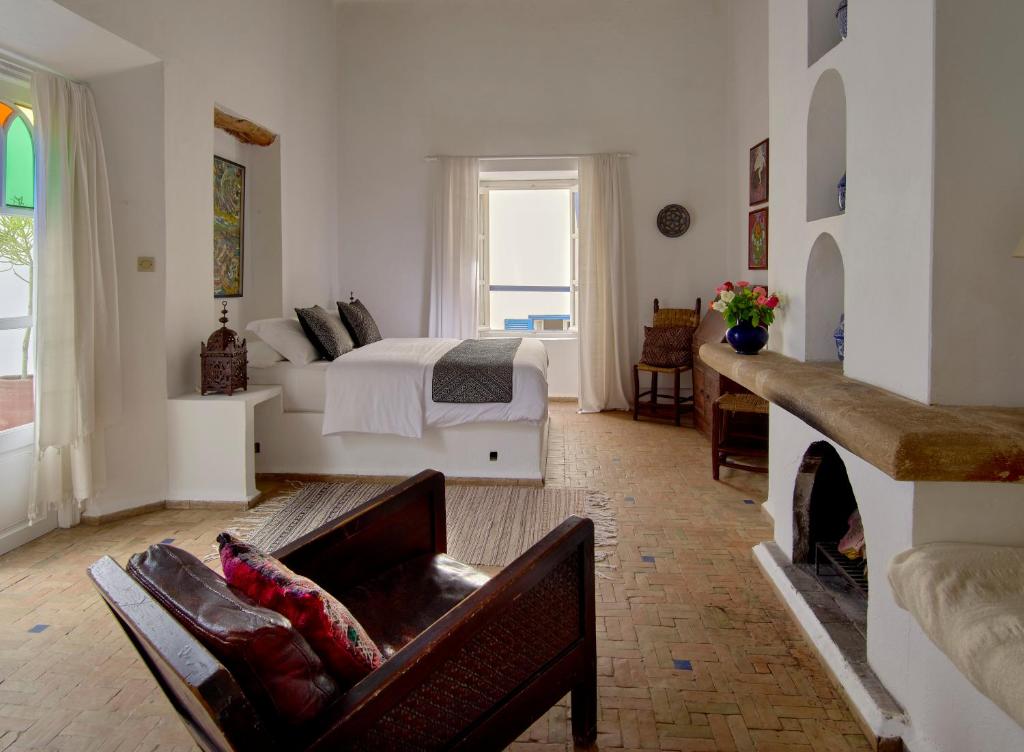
(286, 336)
(261, 354)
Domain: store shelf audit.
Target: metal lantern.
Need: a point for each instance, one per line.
(224, 360)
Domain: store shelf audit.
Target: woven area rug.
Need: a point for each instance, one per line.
(487, 525)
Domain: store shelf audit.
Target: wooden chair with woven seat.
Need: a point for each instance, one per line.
(732, 439)
(665, 317)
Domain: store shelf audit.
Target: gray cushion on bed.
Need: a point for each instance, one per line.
(325, 331)
(359, 322)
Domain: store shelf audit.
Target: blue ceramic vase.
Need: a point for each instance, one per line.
(841, 191)
(840, 337)
(841, 18)
(747, 339)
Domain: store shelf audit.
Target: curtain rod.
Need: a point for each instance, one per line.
(493, 158)
(20, 67)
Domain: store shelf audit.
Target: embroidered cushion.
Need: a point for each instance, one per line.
(275, 665)
(668, 346)
(327, 625)
(325, 331)
(359, 322)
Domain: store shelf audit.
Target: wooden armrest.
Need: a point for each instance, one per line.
(405, 521)
(504, 654)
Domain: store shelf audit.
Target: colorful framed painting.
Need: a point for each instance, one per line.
(228, 227)
(757, 239)
(759, 173)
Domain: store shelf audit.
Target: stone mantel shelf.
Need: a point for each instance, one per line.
(904, 439)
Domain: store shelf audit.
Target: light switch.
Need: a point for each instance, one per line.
(146, 264)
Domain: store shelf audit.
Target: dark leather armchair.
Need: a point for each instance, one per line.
(471, 661)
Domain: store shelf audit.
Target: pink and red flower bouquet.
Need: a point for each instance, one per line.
(742, 301)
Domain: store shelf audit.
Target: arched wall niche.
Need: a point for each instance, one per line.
(825, 299)
(822, 29)
(826, 145)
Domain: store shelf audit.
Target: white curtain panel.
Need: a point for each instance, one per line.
(78, 357)
(603, 324)
(454, 292)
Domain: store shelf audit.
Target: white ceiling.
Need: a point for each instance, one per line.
(48, 34)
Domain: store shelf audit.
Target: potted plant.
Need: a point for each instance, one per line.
(749, 310)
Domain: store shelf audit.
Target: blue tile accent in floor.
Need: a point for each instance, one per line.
(38, 628)
(648, 559)
(682, 665)
(748, 501)
(167, 540)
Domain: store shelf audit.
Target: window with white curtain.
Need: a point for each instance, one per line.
(528, 244)
(17, 245)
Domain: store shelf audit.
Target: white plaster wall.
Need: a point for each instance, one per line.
(886, 66)
(951, 715)
(130, 107)
(979, 204)
(262, 59)
(748, 125)
(534, 77)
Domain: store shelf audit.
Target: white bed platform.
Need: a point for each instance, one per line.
(291, 442)
(289, 433)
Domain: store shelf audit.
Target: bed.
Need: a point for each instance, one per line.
(372, 412)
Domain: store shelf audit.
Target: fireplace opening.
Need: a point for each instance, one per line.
(828, 534)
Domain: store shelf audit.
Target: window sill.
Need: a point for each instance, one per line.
(507, 334)
(16, 438)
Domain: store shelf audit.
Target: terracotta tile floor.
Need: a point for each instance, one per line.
(695, 650)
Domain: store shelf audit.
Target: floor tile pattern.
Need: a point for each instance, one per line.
(695, 651)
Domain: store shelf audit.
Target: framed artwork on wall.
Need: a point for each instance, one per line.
(228, 227)
(759, 173)
(757, 239)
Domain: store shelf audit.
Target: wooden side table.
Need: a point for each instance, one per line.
(211, 451)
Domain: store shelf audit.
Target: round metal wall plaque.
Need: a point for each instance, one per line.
(673, 221)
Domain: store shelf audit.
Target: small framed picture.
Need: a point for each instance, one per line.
(757, 239)
(759, 173)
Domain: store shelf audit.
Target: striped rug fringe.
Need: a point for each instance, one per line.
(243, 527)
(600, 509)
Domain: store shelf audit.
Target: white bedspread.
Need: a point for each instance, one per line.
(385, 387)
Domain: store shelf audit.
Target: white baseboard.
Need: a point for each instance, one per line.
(23, 532)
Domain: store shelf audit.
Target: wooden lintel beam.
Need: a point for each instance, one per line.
(244, 130)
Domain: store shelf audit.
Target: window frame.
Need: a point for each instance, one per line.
(483, 258)
(17, 436)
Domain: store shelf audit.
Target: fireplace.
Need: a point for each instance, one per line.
(828, 537)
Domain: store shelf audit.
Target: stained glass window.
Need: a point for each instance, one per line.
(17, 246)
(18, 165)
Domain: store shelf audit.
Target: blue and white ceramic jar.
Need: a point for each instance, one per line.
(841, 190)
(840, 337)
(841, 18)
